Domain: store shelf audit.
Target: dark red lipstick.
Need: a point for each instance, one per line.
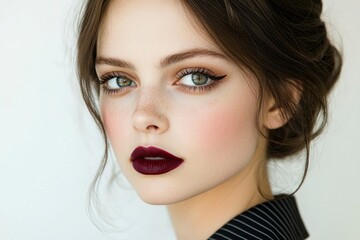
(154, 161)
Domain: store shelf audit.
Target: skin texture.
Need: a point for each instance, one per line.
(214, 130)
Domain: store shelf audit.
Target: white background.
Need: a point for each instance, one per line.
(50, 148)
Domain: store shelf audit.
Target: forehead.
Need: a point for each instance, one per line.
(149, 28)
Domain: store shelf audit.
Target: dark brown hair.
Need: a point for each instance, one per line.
(284, 43)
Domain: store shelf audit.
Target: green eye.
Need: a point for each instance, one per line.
(195, 79)
(199, 79)
(123, 82)
(119, 82)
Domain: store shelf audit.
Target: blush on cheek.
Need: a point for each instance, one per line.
(113, 122)
(224, 131)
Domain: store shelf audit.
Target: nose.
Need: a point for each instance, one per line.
(149, 115)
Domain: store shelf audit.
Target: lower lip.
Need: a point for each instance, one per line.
(155, 167)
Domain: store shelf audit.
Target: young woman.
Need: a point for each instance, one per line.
(196, 96)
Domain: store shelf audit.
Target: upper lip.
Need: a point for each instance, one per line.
(143, 152)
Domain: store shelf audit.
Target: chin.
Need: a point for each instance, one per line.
(160, 195)
(159, 199)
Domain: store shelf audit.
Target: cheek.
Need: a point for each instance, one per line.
(115, 120)
(224, 131)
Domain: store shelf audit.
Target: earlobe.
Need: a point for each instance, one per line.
(276, 116)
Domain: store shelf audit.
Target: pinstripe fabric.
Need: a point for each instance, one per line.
(278, 219)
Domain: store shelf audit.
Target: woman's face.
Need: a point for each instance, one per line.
(170, 87)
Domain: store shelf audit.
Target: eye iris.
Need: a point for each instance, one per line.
(123, 82)
(199, 79)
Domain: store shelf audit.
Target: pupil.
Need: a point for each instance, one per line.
(123, 82)
(199, 79)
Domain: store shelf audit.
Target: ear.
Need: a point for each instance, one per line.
(275, 116)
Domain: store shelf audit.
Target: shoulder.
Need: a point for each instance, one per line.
(276, 219)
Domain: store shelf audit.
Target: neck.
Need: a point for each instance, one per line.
(199, 217)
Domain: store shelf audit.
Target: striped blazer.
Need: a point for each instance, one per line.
(278, 219)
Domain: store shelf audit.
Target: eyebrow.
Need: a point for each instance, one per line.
(197, 52)
(171, 59)
(114, 62)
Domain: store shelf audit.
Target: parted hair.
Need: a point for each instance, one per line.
(283, 43)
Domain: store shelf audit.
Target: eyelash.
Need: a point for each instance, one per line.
(106, 77)
(203, 71)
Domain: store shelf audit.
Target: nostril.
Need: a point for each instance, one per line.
(149, 120)
(152, 127)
